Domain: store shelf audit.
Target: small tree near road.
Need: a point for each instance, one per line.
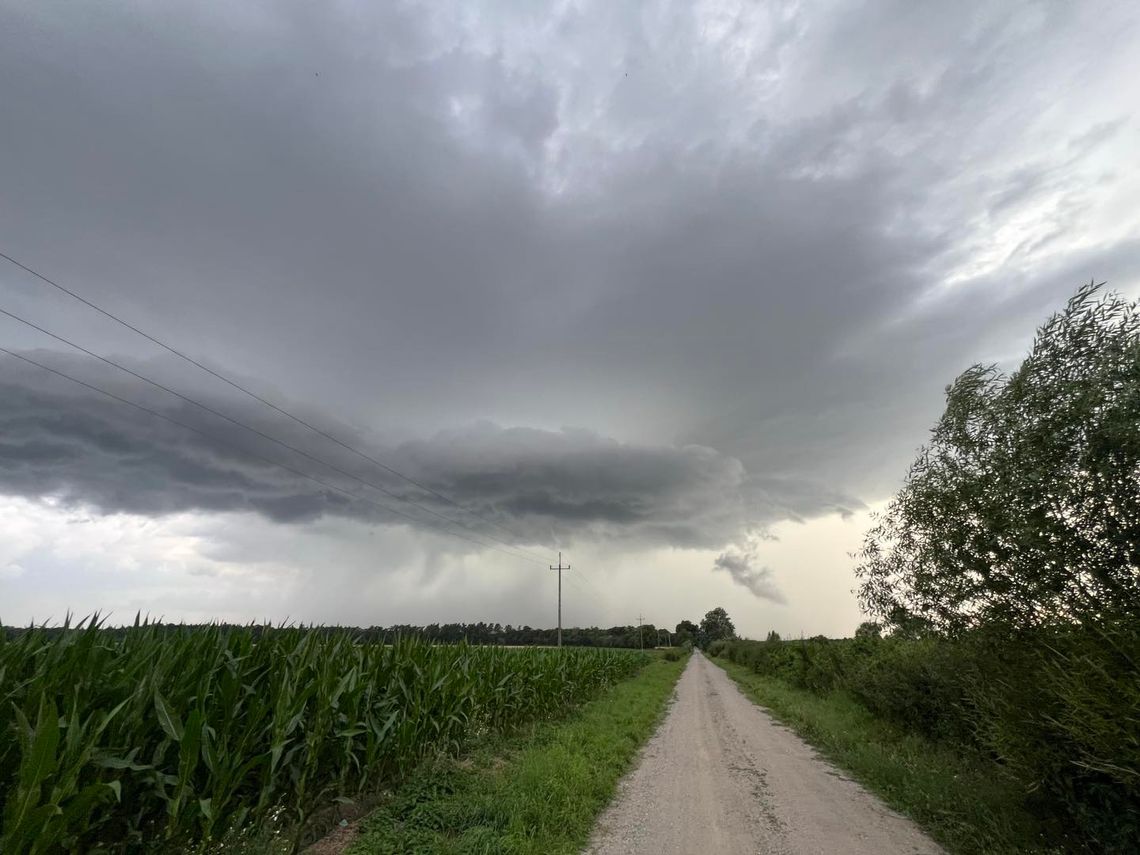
(715, 626)
(686, 631)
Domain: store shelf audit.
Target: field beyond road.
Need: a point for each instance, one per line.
(721, 776)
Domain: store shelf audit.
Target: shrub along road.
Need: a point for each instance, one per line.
(721, 776)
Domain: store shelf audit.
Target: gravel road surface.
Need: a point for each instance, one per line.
(721, 777)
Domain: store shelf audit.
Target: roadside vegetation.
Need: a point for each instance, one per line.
(153, 739)
(536, 790)
(961, 797)
(1004, 579)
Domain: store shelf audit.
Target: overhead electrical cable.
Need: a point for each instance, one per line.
(579, 574)
(286, 467)
(253, 430)
(255, 396)
(576, 581)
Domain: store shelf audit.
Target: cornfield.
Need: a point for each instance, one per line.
(154, 737)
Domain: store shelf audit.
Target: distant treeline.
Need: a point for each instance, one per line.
(715, 625)
(496, 633)
(647, 635)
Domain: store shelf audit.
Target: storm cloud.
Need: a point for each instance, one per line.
(66, 441)
(741, 563)
(659, 274)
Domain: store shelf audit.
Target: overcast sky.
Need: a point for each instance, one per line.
(674, 288)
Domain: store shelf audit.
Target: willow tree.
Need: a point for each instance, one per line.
(1023, 509)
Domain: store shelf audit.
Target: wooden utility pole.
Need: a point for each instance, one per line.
(560, 568)
(640, 634)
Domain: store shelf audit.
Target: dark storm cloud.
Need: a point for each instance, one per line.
(569, 480)
(741, 242)
(69, 443)
(61, 441)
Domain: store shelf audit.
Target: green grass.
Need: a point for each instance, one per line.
(963, 800)
(156, 737)
(536, 791)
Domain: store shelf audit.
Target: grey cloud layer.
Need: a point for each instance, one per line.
(773, 230)
(67, 442)
(741, 563)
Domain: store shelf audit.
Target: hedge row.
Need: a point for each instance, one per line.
(1060, 709)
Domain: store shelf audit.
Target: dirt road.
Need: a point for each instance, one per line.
(721, 776)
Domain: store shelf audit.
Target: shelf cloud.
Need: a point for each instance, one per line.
(615, 277)
(523, 485)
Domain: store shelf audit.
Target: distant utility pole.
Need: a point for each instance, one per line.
(559, 568)
(640, 634)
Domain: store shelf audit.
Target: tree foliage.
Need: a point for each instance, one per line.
(715, 626)
(1024, 508)
(686, 631)
(1008, 571)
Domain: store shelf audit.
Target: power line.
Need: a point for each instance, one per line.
(581, 575)
(576, 582)
(257, 397)
(252, 430)
(589, 582)
(589, 589)
(255, 455)
(584, 591)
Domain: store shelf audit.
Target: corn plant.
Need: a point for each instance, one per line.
(155, 737)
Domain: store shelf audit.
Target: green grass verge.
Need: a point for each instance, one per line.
(536, 791)
(962, 800)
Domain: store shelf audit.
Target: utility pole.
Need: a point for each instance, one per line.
(559, 568)
(640, 634)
